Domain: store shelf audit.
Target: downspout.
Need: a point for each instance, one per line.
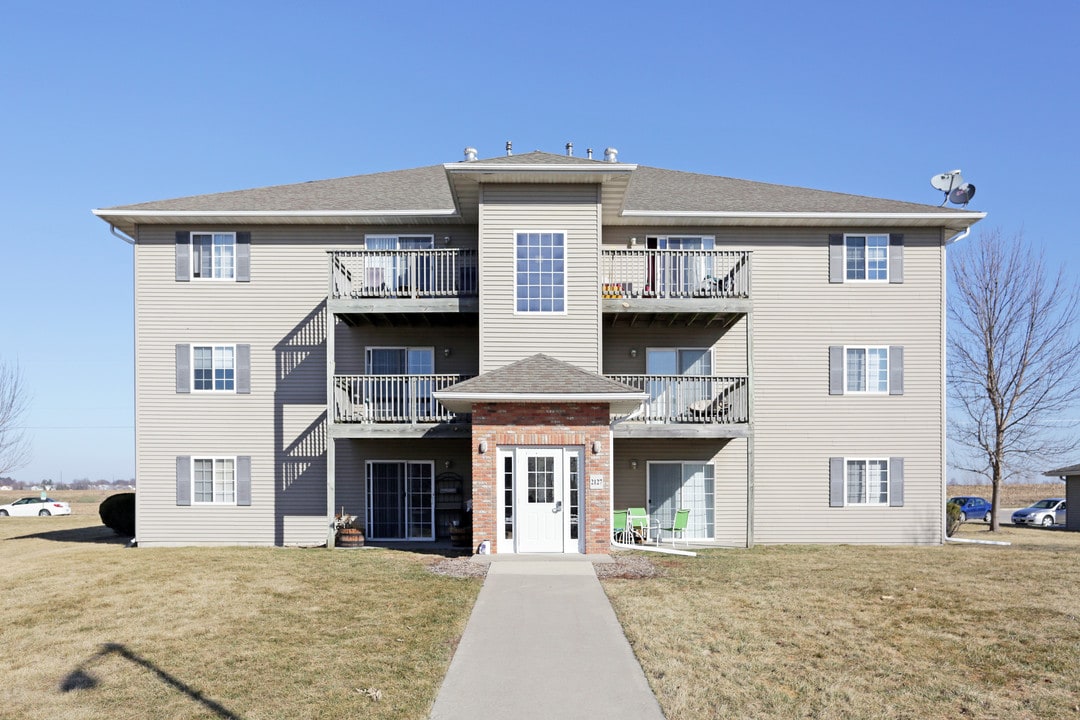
(126, 238)
(959, 236)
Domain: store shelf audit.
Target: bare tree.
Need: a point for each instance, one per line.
(1014, 359)
(14, 446)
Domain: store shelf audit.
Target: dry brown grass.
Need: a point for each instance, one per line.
(1012, 496)
(864, 632)
(93, 629)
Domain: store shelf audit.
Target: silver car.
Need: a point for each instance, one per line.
(1045, 512)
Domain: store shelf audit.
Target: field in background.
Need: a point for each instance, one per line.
(83, 502)
(1012, 496)
(94, 629)
(863, 632)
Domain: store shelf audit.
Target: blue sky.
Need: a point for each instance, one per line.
(112, 103)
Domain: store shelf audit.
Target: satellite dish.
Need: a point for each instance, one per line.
(952, 184)
(962, 195)
(945, 182)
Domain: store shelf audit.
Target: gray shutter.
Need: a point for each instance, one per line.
(896, 482)
(243, 369)
(896, 369)
(243, 257)
(183, 256)
(836, 482)
(896, 258)
(836, 258)
(183, 368)
(183, 479)
(836, 370)
(243, 480)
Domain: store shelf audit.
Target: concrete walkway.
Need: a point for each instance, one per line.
(543, 642)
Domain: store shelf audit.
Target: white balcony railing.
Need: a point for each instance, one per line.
(356, 274)
(392, 398)
(675, 274)
(691, 399)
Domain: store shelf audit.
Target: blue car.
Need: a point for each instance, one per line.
(973, 508)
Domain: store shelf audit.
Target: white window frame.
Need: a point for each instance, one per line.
(866, 369)
(195, 256)
(565, 273)
(213, 368)
(866, 257)
(213, 460)
(407, 348)
(866, 501)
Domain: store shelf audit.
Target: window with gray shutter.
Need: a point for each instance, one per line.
(183, 256)
(836, 258)
(243, 257)
(896, 369)
(836, 370)
(836, 482)
(896, 258)
(243, 369)
(243, 480)
(896, 482)
(183, 368)
(183, 480)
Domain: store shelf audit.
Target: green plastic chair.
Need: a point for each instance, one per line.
(620, 527)
(639, 522)
(677, 526)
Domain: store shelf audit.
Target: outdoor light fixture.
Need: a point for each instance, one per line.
(633, 464)
(595, 447)
(633, 352)
(446, 240)
(482, 447)
(447, 464)
(446, 352)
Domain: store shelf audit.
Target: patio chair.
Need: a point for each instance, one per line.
(620, 527)
(677, 526)
(639, 522)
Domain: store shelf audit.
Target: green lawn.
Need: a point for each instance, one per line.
(93, 629)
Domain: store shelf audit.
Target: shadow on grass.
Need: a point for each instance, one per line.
(81, 679)
(98, 534)
(440, 548)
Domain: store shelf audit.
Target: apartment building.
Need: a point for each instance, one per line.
(526, 342)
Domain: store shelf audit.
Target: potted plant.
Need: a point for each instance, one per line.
(347, 532)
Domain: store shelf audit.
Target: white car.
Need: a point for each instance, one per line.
(35, 506)
(1045, 512)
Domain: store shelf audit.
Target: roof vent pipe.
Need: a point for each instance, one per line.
(611, 155)
(470, 154)
(588, 151)
(569, 149)
(509, 148)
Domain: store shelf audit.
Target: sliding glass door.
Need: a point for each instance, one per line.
(400, 500)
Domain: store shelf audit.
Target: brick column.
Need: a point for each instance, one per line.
(583, 425)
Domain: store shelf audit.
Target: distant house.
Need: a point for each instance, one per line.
(1071, 476)
(549, 337)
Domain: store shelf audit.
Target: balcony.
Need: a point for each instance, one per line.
(392, 282)
(701, 406)
(393, 399)
(675, 281)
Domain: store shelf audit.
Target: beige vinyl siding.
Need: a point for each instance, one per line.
(573, 337)
(281, 312)
(798, 426)
(728, 458)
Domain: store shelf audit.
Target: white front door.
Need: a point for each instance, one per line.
(540, 512)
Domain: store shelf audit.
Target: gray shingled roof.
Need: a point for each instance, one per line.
(539, 374)
(673, 190)
(1070, 470)
(423, 188)
(427, 188)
